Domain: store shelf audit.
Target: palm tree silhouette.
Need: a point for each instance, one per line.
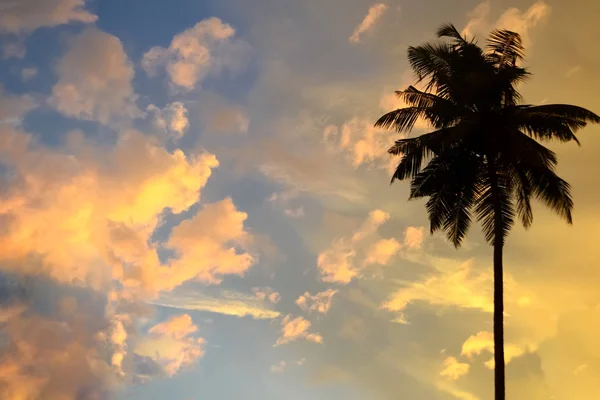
(483, 158)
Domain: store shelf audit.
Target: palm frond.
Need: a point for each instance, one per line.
(492, 196)
(552, 121)
(523, 193)
(450, 31)
(402, 119)
(553, 191)
(505, 47)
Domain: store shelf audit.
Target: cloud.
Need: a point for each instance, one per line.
(293, 329)
(363, 143)
(338, 262)
(43, 357)
(95, 80)
(373, 15)
(320, 302)
(382, 251)
(26, 16)
(453, 369)
(478, 19)
(456, 286)
(294, 212)
(572, 71)
(171, 119)
(484, 341)
(13, 107)
(28, 74)
(512, 19)
(229, 120)
(171, 345)
(228, 303)
(207, 48)
(87, 216)
(413, 238)
(267, 294)
(279, 368)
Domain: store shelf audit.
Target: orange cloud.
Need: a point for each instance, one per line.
(88, 216)
(293, 329)
(337, 263)
(19, 17)
(95, 79)
(373, 15)
(382, 251)
(192, 54)
(320, 302)
(171, 345)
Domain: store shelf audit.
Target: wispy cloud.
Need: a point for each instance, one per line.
(228, 303)
(373, 15)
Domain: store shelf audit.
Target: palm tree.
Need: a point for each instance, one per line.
(483, 158)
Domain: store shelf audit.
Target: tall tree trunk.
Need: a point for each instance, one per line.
(499, 381)
(499, 375)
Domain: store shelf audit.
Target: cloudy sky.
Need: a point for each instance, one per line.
(194, 205)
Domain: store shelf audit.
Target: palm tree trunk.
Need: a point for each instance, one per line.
(499, 381)
(499, 375)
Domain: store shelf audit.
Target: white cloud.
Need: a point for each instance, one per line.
(172, 119)
(207, 48)
(320, 302)
(19, 16)
(228, 303)
(95, 79)
(373, 15)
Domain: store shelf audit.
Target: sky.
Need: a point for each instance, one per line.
(194, 204)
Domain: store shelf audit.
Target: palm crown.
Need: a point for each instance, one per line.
(483, 149)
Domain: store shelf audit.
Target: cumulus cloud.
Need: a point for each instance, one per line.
(320, 302)
(171, 344)
(375, 13)
(87, 216)
(95, 80)
(227, 303)
(172, 119)
(339, 263)
(207, 48)
(454, 369)
(43, 357)
(293, 329)
(457, 286)
(29, 15)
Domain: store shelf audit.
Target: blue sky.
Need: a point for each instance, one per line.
(194, 204)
